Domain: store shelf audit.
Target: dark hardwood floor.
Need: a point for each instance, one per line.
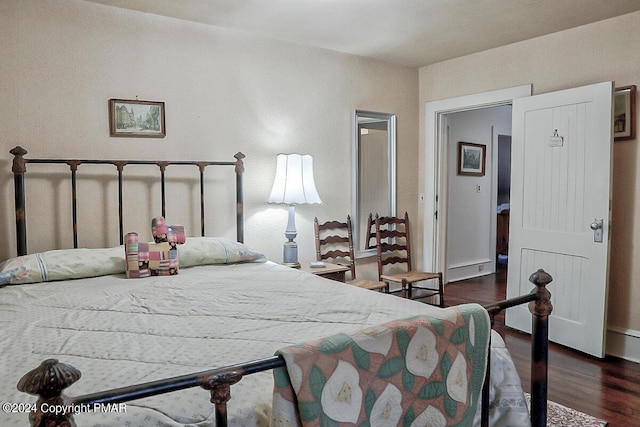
(608, 389)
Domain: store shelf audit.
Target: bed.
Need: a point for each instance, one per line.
(153, 351)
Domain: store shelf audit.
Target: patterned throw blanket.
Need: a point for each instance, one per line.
(419, 371)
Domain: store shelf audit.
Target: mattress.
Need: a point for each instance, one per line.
(121, 331)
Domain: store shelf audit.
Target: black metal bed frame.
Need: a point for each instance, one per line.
(219, 381)
(19, 168)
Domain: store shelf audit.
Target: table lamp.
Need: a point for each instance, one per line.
(293, 185)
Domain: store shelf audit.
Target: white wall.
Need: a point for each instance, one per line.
(470, 234)
(225, 91)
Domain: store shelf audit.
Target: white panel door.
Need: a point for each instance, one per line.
(560, 185)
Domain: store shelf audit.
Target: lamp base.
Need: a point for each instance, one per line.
(290, 254)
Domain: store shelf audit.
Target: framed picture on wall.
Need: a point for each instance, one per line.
(624, 115)
(471, 158)
(133, 118)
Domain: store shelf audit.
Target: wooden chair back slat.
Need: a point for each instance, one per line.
(395, 260)
(389, 247)
(334, 239)
(334, 254)
(331, 225)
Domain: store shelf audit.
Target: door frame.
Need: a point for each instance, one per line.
(435, 166)
(496, 133)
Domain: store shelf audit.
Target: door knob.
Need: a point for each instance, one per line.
(596, 226)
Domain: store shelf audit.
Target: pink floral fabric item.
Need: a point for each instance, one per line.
(425, 370)
(173, 234)
(149, 259)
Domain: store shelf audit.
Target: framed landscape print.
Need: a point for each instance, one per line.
(133, 118)
(471, 158)
(624, 113)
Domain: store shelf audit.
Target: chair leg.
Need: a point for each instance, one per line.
(407, 286)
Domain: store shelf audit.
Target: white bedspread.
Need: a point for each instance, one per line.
(120, 331)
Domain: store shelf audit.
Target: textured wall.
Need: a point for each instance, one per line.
(224, 92)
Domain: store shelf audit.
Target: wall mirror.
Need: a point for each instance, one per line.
(374, 173)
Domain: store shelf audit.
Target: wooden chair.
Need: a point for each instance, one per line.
(394, 247)
(339, 249)
(370, 242)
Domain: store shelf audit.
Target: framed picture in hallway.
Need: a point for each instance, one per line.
(471, 158)
(624, 113)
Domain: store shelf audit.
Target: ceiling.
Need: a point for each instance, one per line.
(413, 33)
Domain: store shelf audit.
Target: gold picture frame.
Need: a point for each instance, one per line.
(624, 115)
(134, 118)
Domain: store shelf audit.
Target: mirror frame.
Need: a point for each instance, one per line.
(391, 169)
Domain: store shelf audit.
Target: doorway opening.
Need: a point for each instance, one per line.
(472, 198)
(438, 170)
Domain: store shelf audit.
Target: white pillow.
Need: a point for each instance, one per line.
(215, 250)
(62, 264)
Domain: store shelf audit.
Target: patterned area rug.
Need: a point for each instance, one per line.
(561, 416)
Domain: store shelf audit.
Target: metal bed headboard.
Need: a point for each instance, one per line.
(19, 169)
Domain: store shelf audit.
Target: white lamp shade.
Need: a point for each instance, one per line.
(294, 182)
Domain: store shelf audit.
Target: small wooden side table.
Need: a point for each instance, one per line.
(329, 271)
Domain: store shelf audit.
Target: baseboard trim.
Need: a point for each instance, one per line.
(469, 263)
(468, 270)
(623, 343)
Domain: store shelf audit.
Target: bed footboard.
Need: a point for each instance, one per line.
(50, 379)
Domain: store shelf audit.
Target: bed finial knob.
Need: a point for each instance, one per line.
(49, 379)
(219, 386)
(542, 305)
(47, 382)
(239, 162)
(19, 165)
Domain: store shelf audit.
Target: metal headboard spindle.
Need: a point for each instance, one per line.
(19, 169)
